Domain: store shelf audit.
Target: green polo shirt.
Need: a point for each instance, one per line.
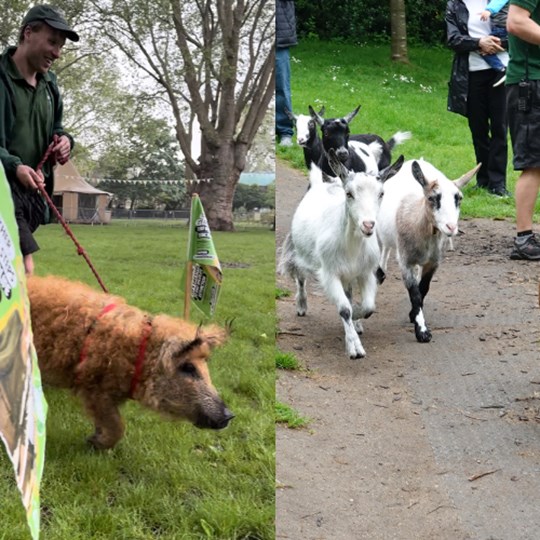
(521, 52)
(27, 118)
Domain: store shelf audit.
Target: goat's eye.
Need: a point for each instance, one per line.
(458, 199)
(435, 200)
(349, 195)
(188, 369)
(381, 195)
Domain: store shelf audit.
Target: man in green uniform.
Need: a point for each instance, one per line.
(30, 115)
(523, 99)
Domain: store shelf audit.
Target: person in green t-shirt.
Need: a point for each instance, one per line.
(30, 116)
(523, 103)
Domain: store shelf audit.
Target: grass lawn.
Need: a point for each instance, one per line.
(165, 479)
(394, 97)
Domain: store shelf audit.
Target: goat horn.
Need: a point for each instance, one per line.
(290, 114)
(464, 179)
(315, 116)
(351, 115)
(336, 165)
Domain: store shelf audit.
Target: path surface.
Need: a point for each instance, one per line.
(415, 441)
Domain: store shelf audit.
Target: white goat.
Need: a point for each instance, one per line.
(418, 215)
(332, 237)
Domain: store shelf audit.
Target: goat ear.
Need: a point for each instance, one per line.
(465, 179)
(290, 115)
(336, 165)
(315, 116)
(322, 111)
(351, 115)
(391, 170)
(418, 174)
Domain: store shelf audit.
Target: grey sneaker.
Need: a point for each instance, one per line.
(528, 250)
(285, 141)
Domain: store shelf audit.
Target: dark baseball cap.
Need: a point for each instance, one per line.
(51, 16)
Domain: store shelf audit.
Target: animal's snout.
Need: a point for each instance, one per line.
(451, 229)
(342, 154)
(215, 421)
(368, 227)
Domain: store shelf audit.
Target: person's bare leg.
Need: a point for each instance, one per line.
(527, 188)
(28, 264)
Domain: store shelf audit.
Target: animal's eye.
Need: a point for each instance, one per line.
(435, 199)
(349, 195)
(381, 195)
(188, 369)
(459, 197)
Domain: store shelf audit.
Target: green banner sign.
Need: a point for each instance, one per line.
(23, 408)
(203, 276)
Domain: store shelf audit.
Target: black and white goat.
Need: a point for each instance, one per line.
(307, 136)
(370, 150)
(419, 213)
(332, 237)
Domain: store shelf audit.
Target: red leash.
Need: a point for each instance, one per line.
(41, 187)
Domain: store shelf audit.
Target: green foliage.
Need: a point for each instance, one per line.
(251, 197)
(394, 97)
(286, 360)
(165, 479)
(290, 417)
(368, 21)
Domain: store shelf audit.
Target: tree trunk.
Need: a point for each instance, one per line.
(216, 183)
(398, 25)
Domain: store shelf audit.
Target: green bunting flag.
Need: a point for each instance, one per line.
(23, 408)
(203, 275)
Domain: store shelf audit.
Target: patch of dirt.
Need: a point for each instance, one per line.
(415, 441)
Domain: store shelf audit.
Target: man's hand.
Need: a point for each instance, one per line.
(29, 178)
(62, 150)
(490, 45)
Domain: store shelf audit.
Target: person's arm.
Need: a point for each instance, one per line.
(520, 24)
(9, 161)
(455, 39)
(462, 43)
(65, 144)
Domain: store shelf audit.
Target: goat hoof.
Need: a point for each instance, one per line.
(423, 337)
(380, 275)
(301, 313)
(357, 356)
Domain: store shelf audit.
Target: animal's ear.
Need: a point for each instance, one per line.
(351, 115)
(322, 111)
(290, 115)
(315, 116)
(391, 170)
(466, 178)
(214, 335)
(338, 167)
(418, 174)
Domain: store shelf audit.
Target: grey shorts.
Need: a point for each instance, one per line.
(524, 126)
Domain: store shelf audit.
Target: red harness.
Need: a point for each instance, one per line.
(147, 330)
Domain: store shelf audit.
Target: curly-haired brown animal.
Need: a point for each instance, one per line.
(108, 352)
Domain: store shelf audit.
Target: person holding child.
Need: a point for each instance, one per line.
(475, 89)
